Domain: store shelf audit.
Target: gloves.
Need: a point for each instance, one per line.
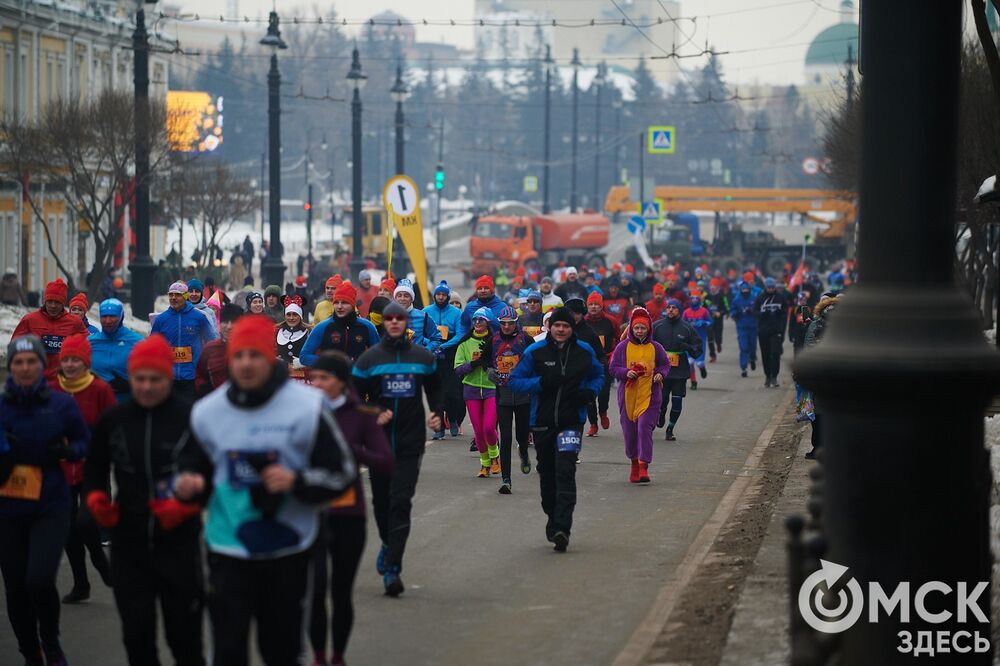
(104, 511)
(171, 513)
(584, 398)
(551, 382)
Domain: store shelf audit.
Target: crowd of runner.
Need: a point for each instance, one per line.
(240, 424)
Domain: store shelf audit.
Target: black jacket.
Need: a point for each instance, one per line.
(408, 370)
(586, 333)
(772, 313)
(143, 446)
(606, 331)
(676, 336)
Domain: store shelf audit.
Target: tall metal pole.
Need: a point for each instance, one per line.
(437, 244)
(599, 82)
(917, 523)
(548, 131)
(850, 77)
(273, 267)
(357, 217)
(142, 268)
(615, 176)
(399, 94)
(263, 211)
(576, 131)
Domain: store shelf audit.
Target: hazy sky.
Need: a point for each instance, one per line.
(781, 28)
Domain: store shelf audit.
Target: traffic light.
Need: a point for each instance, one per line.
(307, 206)
(439, 178)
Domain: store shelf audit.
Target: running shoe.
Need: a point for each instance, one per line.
(561, 541)
(505, 487)
(694, 385)
(472, 447)
(753, 364)
(494, 465)
(743, 373)
(605, 421)
(77, 595)
(633, 476)
(670, 434)
(484, 472)
(455, 430)
(592, 430)
(392, 582)
(643, 472)
(438, 435)
(703, 371)
(525, 461)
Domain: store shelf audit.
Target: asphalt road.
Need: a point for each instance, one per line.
(483, 584)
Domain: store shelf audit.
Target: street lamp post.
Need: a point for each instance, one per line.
(599, 81)
(142, 268)
(617, 106)
(357, 80)
(273, 268)
(399, 94)
(548, 130)
(576, 130)
(926, 522)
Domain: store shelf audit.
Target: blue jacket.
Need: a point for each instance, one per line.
(109, 357)
(187, 328)
(448, 316)
(742, 311)
(33, 420)
(495, 305)
(425, 332)
(578, 371)
(90, 327)
(351, 335)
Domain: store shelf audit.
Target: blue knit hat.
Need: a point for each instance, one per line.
(196, 284)
(442, 288)
(768, 283)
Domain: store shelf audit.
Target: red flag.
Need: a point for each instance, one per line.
(797, 277)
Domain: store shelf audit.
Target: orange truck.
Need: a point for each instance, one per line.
(538, 242)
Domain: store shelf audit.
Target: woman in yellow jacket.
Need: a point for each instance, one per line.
(473, 357)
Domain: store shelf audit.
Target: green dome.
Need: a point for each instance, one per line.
(830, 46)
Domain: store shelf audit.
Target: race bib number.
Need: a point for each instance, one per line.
(347, 499)
(444, 332)
(53, 343)
(506, 364)
(24, 482)
(399, 386)
(183, 355)
(569, 441)
(674, 358)
(615, 308)
(245, 466)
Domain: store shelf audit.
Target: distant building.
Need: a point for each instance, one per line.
(59, 50)
(600, 42)
(828, 51)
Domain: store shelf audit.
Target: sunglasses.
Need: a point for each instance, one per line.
(394, 318)
(532, 300)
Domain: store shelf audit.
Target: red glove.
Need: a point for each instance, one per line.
(171, 513)
(104, 511)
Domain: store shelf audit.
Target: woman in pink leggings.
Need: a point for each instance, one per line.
(473, 357)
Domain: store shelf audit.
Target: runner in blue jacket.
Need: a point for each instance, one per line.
(742, 311)
(187, 330)
(111, 346)
(485, 298)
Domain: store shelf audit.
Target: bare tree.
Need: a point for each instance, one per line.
(218, 198)
(83, 151)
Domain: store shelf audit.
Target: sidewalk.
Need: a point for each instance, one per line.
(759, 632)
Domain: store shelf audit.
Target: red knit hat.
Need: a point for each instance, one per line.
(76, 346)
(346, 292)
(388, 284)
(56, 291)
(485, 281)
(658, 289)
(521, 271)
(153, 353)
(81, 300)
(335, 281)
(254, 332)
(640, 314)
(595, 297)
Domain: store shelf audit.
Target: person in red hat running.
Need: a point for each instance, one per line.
(52, 323)
(93, 396)
(155, 544)
(324, 309)
(78, 306)
(345, 331)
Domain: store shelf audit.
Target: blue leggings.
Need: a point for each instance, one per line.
(748, 346)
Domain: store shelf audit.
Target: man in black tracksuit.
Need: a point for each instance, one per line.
(679, 339)
(155, 540)
(393, 375)
(586, 333)
(772, 317)
(563, 376)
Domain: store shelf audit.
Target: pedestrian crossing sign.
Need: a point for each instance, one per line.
(651, 211)
(661, 139)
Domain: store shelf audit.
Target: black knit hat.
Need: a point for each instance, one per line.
(230, 312)
(576, 305)
(562, 314)
(336, 363)
(378, 304)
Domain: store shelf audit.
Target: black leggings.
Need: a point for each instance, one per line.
(512, 419)
(602, 401)
(83, 534)
(343, 537)
(30, 549)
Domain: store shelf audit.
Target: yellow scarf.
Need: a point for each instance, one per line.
(76, 385)
(639, 390)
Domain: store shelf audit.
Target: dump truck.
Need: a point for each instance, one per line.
(537, 242)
